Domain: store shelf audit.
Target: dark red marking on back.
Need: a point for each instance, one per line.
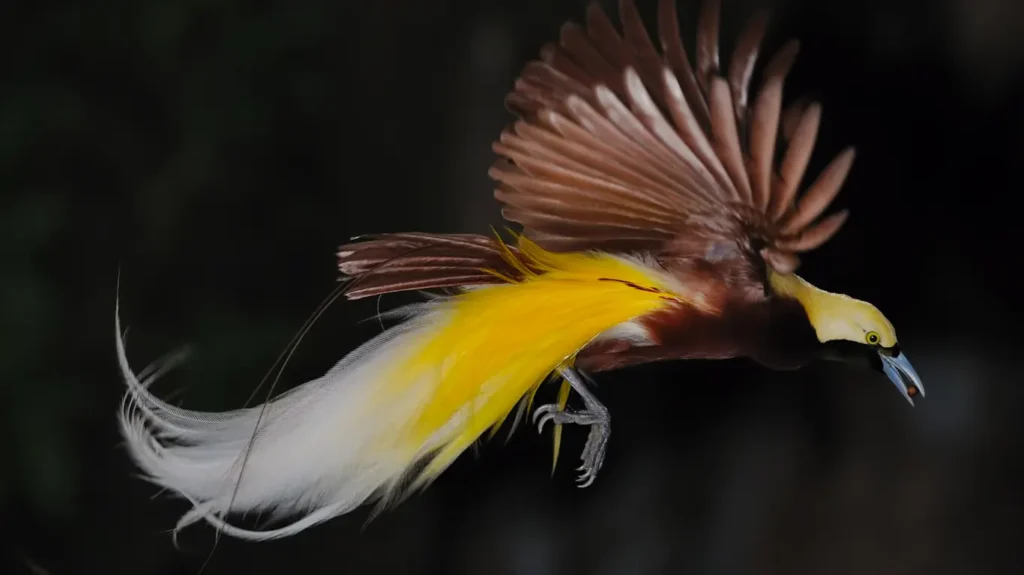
(632, 285)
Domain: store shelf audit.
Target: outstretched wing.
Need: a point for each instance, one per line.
(622, 147)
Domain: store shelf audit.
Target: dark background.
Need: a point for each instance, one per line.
(216, 152)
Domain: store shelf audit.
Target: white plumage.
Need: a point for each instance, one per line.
(318, 451)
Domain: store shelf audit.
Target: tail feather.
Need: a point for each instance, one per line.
(306, 456)
(395, 413)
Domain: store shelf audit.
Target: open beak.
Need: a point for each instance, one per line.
(902, 375)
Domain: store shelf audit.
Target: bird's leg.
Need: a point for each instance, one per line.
(595, 415)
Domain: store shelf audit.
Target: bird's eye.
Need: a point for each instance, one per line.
(873, 338)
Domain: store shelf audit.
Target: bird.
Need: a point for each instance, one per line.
(661, 215)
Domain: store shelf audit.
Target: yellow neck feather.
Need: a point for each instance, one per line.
(835, 316)
(796, 287)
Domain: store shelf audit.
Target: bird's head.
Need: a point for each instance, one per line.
(852, 331)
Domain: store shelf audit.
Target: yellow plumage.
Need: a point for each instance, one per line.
(419, 393)
(501, 342)
(563, 398)
(835, 316)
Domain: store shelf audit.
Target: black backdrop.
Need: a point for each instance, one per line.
(217, 152)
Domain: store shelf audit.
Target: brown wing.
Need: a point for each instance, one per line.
(385, 263)
(623, 147)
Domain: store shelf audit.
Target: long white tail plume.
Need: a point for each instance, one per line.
(318, 451)
(420, 393)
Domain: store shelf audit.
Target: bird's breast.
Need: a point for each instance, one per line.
(786, 339)
(677, 333)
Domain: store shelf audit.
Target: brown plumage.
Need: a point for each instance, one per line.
(386, 263)
(624, 148)
(621, 147)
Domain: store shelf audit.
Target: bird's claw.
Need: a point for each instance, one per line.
(544, 414)
(593, 453)
(595, 415)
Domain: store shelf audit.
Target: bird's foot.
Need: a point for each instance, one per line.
(595, 415)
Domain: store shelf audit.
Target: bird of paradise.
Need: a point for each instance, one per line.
(660, 221)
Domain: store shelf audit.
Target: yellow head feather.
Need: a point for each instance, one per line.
(836, 316)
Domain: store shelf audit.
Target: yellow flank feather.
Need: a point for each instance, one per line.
(563, 399)
(495, 344)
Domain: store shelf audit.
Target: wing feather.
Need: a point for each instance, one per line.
(622, 144)
(669, 136)
(821, 193)
(764, 128)
(679, 63)
(815, 235)
(741, 66)
(707, 43)
(726, 139)
(689, 129)
(648, 60)
(795, 160)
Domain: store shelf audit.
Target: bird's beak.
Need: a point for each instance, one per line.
(899, 371)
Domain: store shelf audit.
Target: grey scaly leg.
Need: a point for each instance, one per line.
(595, 415)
